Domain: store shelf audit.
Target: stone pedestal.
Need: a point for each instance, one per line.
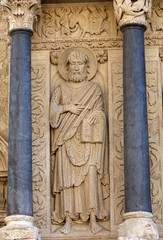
(138, 225)
(19, 227)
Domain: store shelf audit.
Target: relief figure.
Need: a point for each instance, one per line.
(79, 130)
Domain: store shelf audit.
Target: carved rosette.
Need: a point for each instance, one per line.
(21, 13)
(129, 11)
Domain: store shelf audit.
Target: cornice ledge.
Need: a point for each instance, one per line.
(21, 13)
(128, 12)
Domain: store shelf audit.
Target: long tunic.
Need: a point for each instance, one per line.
(79, 152)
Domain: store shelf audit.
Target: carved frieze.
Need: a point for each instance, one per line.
(52, 32)
(91, 43)
(20, 13)
(157, 16)
(75, 21)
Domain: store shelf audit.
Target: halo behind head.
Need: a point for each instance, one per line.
(85, 54)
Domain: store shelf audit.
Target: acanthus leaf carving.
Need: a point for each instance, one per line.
(20, 13)
(129, 11)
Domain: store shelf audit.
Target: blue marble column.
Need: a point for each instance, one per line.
(136, 149)
(19, 200)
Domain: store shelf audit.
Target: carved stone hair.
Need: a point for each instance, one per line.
(81, 55)
(78, 54)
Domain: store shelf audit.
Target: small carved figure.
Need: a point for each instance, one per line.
(79, 20)
(62, 20)
(80, 168)
(157, 18)
(96, 19)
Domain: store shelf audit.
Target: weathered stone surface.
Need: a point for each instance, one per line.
(138, 225)
(79, 150)
(19, 227)
(105, 45)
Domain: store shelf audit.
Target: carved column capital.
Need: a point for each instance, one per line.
(129, 11)
(21, 13)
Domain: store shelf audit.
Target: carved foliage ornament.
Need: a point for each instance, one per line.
(130, 11)
(21, 13)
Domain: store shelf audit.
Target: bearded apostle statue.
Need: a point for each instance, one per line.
(79, 128)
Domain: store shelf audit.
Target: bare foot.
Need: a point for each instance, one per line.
(95, 228)
(66, 229)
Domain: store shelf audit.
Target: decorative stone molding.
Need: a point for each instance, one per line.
(129, 11)
(138, 226)
(19, 227)
(21, 13)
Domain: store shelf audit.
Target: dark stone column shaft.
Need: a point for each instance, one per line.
(136, 149)
(19, 200)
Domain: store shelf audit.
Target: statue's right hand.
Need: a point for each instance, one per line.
(76, 109)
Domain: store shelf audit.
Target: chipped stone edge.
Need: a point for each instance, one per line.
(138, 226)
(19, 227)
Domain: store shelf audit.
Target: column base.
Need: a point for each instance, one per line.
(19, 227)
(138, 226)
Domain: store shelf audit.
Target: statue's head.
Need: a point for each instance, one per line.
(77, 63)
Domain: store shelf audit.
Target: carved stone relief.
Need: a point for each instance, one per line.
(20, 14)
(59, 84)
(156, 23)
(3, 179)
(4, 72)
(129, 11)
(154, 127)
(41, 140)
(53, 34)
(75, 21)
(116, 137)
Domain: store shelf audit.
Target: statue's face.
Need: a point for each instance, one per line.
(77, 70)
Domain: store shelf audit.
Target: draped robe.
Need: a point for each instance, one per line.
(79, 151)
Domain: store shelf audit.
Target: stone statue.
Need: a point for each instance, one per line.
(79, 124)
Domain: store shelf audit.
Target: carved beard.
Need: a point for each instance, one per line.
(77, 76)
